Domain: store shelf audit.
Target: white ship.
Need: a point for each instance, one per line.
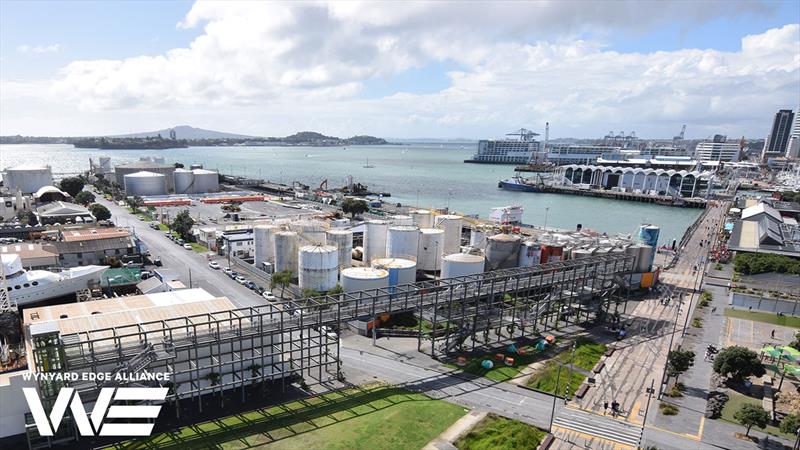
(507, 214)
(30, 286)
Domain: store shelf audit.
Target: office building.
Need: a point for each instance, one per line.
(778, 138)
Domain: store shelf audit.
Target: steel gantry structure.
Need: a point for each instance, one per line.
(297, 340)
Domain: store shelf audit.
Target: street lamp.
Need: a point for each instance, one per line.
(546, 212)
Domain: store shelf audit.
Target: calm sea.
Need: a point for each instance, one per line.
(431, 175)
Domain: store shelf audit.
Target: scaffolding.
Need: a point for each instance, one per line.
(297, 341)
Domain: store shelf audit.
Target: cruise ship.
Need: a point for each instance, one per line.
(522, 150)
(31, 286)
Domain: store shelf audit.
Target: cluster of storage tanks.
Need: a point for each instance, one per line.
(395, 250)
(186, 181)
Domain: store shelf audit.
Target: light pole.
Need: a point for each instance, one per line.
(546, 212)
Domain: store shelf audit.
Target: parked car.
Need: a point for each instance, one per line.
(250, 285)
(233, 275)
(187, 246)
(259, 290)
(240, 279)
(145, 274)
(214, 265)
(168, 234)
(268, 296)
(180, 241)
(157, 262)
(227, 271)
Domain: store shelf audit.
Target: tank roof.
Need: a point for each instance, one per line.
(504, 237)
(144, 173)
(464, 257)
(393, 263)
(318, 249)
(364, 273)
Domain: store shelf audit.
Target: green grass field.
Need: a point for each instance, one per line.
(735, 402)
(587, 354)
(784, 321)
(496, 432)
(199, 248)
(365, 418)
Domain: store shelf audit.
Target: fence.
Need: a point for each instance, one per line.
(765, 304)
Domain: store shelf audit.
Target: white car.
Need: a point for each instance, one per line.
(241, 280)
(268, 296)
(214, 265)
(187, 246)
(227, 271)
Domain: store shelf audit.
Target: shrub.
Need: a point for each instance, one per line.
(716, 401)
(790, 424)
(697, 322)
(754, 263)
(668, 409)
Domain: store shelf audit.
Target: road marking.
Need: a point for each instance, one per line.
(695, 437)
(591, 436)
(633, 417)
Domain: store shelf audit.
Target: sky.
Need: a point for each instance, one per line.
(399, 70)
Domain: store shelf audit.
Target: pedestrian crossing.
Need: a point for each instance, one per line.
(599, 426)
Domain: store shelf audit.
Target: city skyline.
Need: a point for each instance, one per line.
(416, 70)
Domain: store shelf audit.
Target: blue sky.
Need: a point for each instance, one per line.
(440, 70)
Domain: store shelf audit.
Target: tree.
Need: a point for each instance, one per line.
(100, 212)
(135, 202)
(179, 166)
(738, 363)
(27, 217)
(790, 424)
(281, 279)
(354, 207)
(183, 224)
(678, 362)
(72, 185)
(309, 293)
(749, 415)
(84, 198)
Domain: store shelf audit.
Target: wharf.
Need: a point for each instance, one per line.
(664, 200)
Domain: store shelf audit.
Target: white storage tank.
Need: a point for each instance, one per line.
(402, 220)
(355, 279)
(502, 251)
(375, 240)
(422, 218)
(27, 179)
(285, 251)
(478, 235)
(402, 242)
(530, 254)
(451, 225)
(318, 267)
(401, 271)
(462, 264)
(633, 250)
(264, 244)
(343, 241)
(311, 232)
(145, 183)
(205, 181)
(184, 179)
(429, 255)
(645, 257)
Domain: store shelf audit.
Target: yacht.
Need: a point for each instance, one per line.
(30, 286)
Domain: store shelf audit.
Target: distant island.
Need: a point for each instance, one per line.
(148, 143)
(186, 136)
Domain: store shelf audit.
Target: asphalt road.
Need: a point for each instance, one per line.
(186, 264)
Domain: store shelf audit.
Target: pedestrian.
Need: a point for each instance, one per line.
(605, 407)
(772, 334)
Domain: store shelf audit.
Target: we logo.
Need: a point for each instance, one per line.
(102, 410)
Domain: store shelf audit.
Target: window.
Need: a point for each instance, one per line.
(26, 285)
(63, 316)
(35, 283)
(17, 287)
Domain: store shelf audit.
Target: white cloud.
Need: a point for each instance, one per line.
(282, 67)
(52, 48)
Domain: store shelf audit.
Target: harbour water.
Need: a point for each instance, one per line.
(428, 175)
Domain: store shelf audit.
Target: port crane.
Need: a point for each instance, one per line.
(680, 136)
(525, 135)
